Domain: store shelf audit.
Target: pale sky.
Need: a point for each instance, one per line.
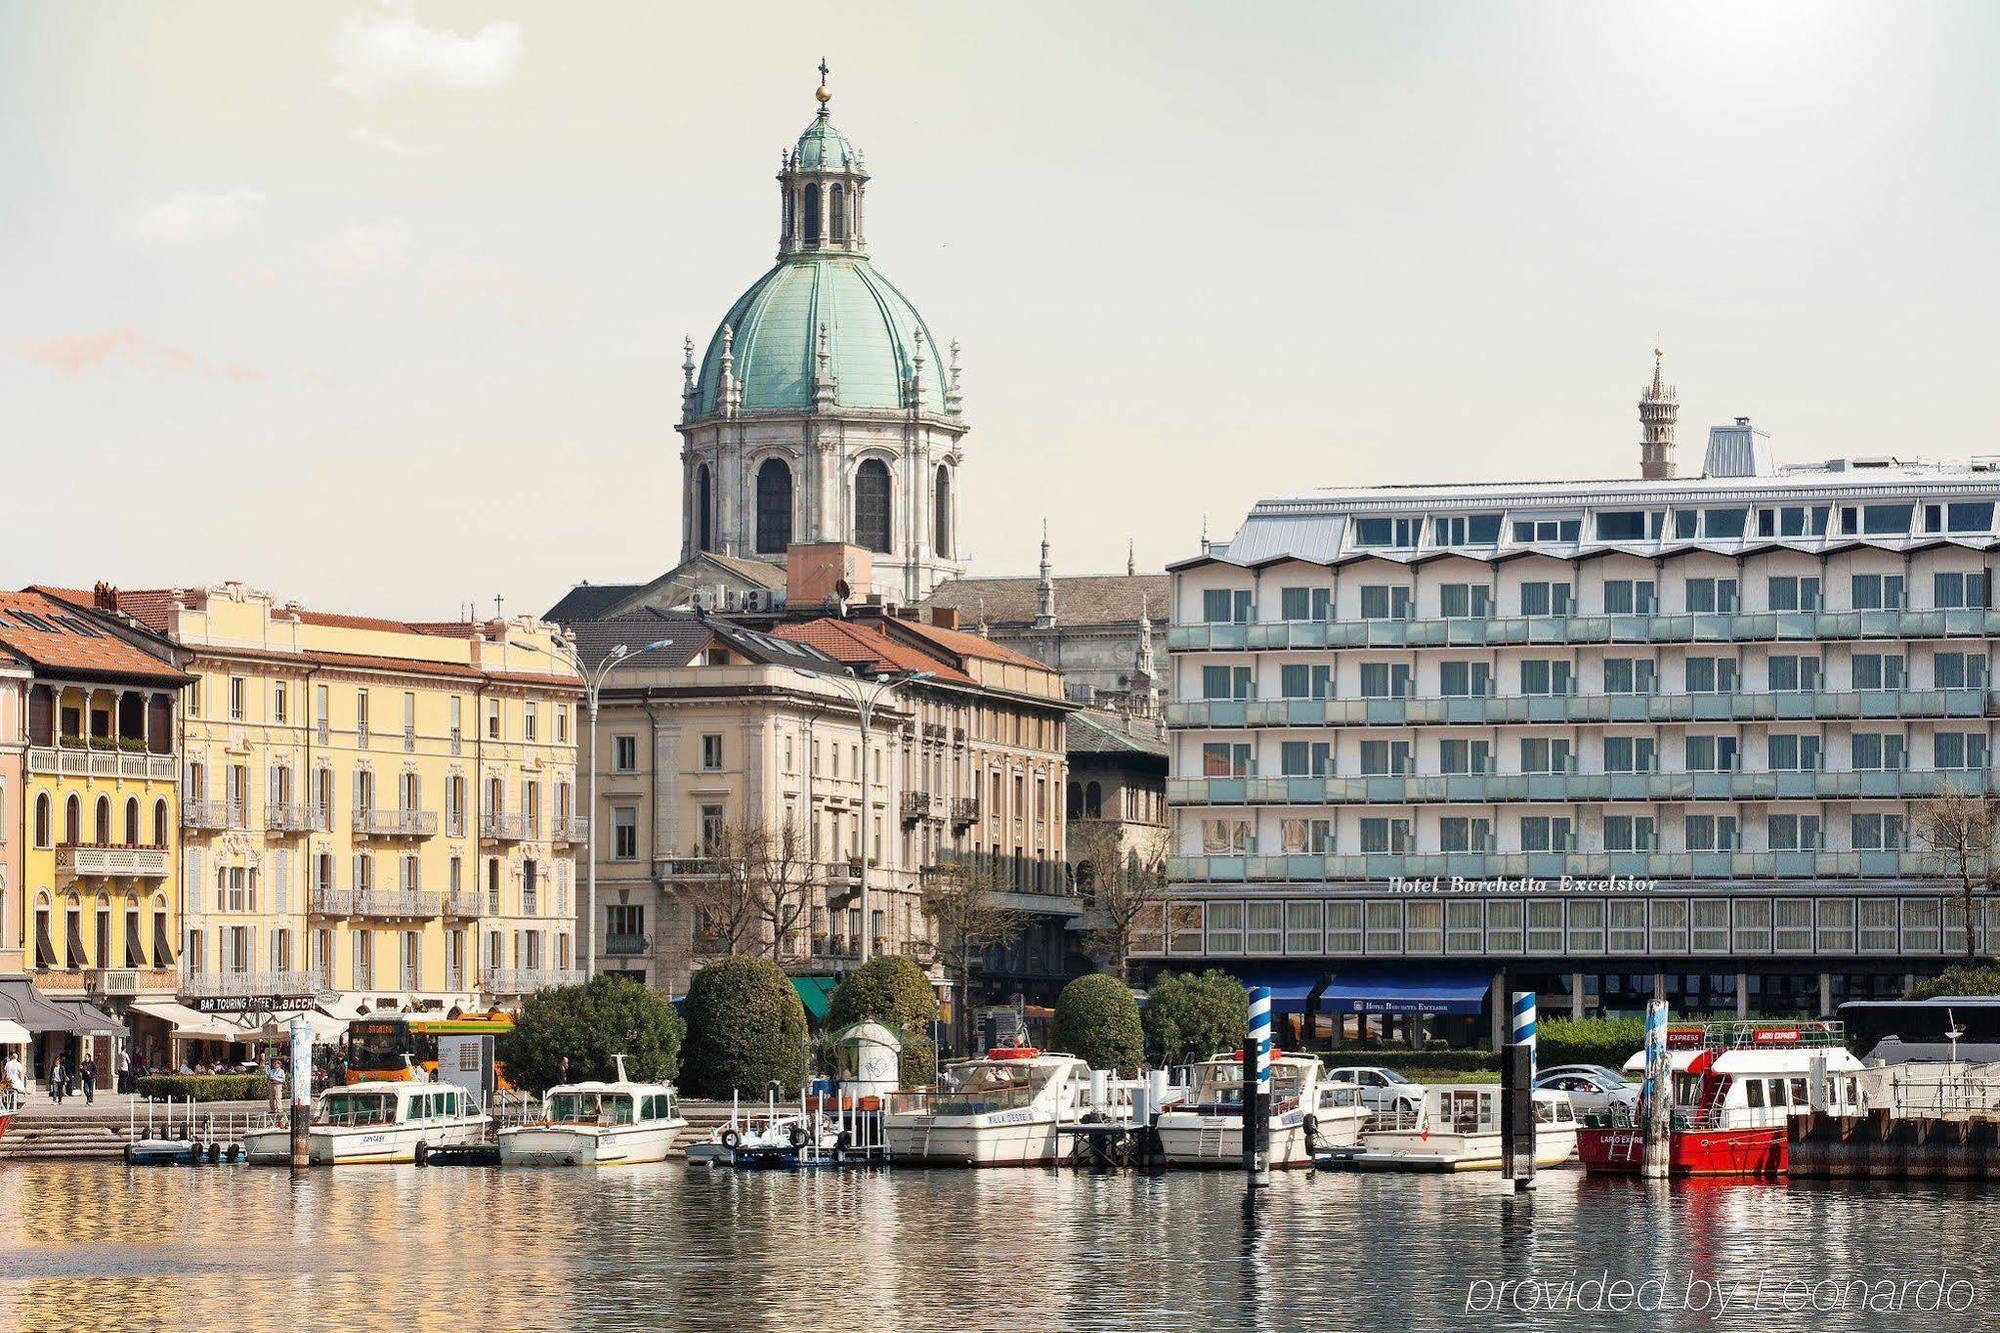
(381, 307)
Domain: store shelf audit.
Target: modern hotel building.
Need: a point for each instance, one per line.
(1594, 738)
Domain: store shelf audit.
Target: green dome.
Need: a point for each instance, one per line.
(871, 341)
(822, 147)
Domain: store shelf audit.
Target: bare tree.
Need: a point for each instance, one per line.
(779, 863)
(1962, 830)
(1122, 881)
(964, 900)
(729, 901)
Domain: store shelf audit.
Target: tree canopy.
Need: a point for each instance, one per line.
(1192, 1016)
(1097, 1020)
(745, 1028)
(1961, 979)
(607, 1016)
(893, 991)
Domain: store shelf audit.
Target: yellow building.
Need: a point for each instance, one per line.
(93, 921)
(376, 808)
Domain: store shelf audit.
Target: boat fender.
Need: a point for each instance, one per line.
(235, 1152)
(844, 1142)
(1311, 1123)
(799, 1137)
(730, 1138)
(194, 1153)
(423, 1154)
(214, 1153)
(128, 1154)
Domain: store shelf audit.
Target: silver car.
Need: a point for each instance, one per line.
(1381, 1089)
(1592, 1089)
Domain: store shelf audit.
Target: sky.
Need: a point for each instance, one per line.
(380, 306)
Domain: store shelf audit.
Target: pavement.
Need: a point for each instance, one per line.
(38, 1106)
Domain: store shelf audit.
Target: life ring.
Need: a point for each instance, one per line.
(730, 1138)
(423, 1154)
(798, 1136)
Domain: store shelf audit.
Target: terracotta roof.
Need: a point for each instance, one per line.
(334, 621)
(868, 646)
(1091, 599)
(968, 645)
(447, 629)
(61, 648)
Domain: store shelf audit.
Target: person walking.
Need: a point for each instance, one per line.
(15, 1078)
(124, 1071)
(562, 1070)
(86, 1074)
(56, 1075)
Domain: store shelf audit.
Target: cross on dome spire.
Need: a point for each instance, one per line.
(822, 94)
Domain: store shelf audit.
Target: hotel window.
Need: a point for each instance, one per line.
(1225, 837)
(1225, 759)
(1305, 837)
(322, 714)
(1794, 521)
(1465, 601)
(1878, 751)
(1629, 675)
(1385, 680)
(624, 833)
(1545, 926)
(1465, 927)
(193, 699)
(1225, 927)
(1305, 603)
(1959, 671)
(1627, 925)
(1264, 928)
(1958, 749)
(1878, 671)
(1668, 926)
(1465, 680)
(1922, 921)
(1305, 759)
(492, 719)
(1543, 598)
(1540, 675)
(625, 754)
(711, 752)
(1503, 926)
(1386, 759)
(1630, 833)
(1711, 675)
(1465, 756)
(1877, 833)
(1385, 837)
(1384, 926)
(1630, 754)
(1630, 597)
(1399, 533)
(1878, 592)
(1382, 601)
(1546, 754)
(1217, 682)
(1708, 925)
(1792, 833)
(1886, 520)
(1836, 925)
(1545, 833)
(1711, 596)
(1711, 754)
(1793, 673)
(1630, 525)
(1711, 833)
(1465, 530)
(1548, 529)
(1225, 606)
(1721, 524)
(1790, 592)
(1967, 517)
(236, 692)
(1299, 681)
(1305, 927)
(1878, 925)
(1586, 925)
(278, 701)
(1463, 833)
(1793, 754)
(1423, 926)
(1954, 591)
(562, 724)
(1343, 927)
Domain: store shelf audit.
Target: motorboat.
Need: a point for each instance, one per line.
(1736, 1087)
(378, 1122)
(1004, 1109)
(598, 1124)
(1308, 1112)
(1458, 1129)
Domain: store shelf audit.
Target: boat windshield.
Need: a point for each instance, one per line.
(358, 1108)
(590, 1108)
(1002, 1076)
(1221, 1083)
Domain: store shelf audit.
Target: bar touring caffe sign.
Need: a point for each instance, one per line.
(250, 1004)
(1522, 884)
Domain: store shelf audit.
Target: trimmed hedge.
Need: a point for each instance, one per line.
(590, 1023)
(745, 1028)
(893, 991)
(1192, 1016)
(1588, 1041)
(1097, 1020)
(206, 1087)
(1402, 1061)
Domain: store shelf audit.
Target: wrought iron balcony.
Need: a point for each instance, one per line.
(685, 868)
(198, 985)
(526, 980)
(205, 814)
(574, 828)
(396, 902)
(395, 823)
(497, 826)
(964, 810)
(465, 903)
(331, 902)
(627, 946)
(294, 817)
(917, 805)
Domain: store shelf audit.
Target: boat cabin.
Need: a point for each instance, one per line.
(1475, 1109)
(373, 1104)
(605, 1104)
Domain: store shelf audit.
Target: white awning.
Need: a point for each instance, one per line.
(278, 1027)
(13, 1034)
(193, 1025)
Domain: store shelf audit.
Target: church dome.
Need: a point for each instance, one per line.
(872, 342)
(824, 148)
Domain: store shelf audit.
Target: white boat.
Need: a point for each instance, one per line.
(378, 1122)
(598, 1124)
(1458, 1129)
(1308, 1111)
(1000, 1110)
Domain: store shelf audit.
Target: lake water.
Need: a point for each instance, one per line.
(90, 1245)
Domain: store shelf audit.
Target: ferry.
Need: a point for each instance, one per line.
(1001, 1110)
(378, 1122)
(1736, 1087)
(598, 1124)
(1458, 1129)
(1308, 1112)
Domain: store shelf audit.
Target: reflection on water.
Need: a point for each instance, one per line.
(97, 1245)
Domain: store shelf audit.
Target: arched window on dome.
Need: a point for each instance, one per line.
(836, 213)
(774, 507)
(941, 505)
(871, 505)
(812, 215)
(704, 530)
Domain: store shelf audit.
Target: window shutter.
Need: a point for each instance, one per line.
(284, 881)
(191, 883)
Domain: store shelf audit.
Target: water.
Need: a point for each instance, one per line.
(90, 1245)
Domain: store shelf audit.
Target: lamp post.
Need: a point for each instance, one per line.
(855, 687)
(593, 681)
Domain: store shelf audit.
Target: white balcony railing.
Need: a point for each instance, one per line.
(205, 814)
(331, 902)
(526, 980)
(136, 862)
(198, 984)
(571, 828)
(76, 761)
(395, 823)
(462, 903)
(294, 817)
(502, 827)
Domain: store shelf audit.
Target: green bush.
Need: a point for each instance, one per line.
(1588, 1041)
(1097, 1020)
(607, 1016)
(745, 1028)
(206, 1087)
(893, 991)
(1959, 979)
(1190, 1017)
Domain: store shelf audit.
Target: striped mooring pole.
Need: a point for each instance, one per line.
(1522, 1032)
(1257, 1089)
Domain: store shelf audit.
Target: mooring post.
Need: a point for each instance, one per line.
(1517, 1094)
(1657, 1095)
(1257, 1089)
(302, 1071)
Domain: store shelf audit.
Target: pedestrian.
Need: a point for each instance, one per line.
(56, 1082)
(275, 1077)
(86, 1075)
(15, 1078)
(124, 1071)
(562, 1070)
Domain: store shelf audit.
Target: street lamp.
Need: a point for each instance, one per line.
(593, 681)
(855, 687)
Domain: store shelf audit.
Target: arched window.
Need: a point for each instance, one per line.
(159, 823)
(812, 215)
(871, 505)
(103, 820)
(704, 531)
(1093, 801)
(131, 821)
(941, 511)
(836, 205)
(774, 507)
(73, 820)
(42, 820)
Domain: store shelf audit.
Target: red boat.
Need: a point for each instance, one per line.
(1735, 1088)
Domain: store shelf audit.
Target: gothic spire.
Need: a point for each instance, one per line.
(1045, 589)
(1659, 405)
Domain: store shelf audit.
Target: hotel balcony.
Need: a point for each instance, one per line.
(464, 904)
(243, 985)
(294, 817)
(395, 823)
(498, 827)
(1484, 710)
(74, 862)
(74, 759)
(396, 902)
(574, 828)
(1490, 788)
(1317, 870)
(627, 946)
(205, 814)
(687, 869)
(109, 982)
(526, 980)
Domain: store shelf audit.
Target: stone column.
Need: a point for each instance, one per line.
(1576, 995)
(1743, 995)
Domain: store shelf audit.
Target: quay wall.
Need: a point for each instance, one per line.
(1880, 1145)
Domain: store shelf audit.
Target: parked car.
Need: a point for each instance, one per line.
(1381, 1089)
(1592, 1089)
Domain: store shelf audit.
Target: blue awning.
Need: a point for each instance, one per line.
(1407, 992)
(1291, 989)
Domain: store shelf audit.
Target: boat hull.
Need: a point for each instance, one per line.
(1414, 1150)
(972, 1141)
(1192, 1139)
(551, 1145)
(1762, 1151)
(356, 1145)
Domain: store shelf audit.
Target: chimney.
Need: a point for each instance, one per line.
(944, 617)
(104, 597)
